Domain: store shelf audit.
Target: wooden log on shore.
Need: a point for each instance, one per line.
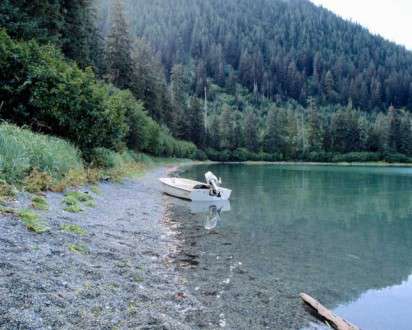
(334, 320)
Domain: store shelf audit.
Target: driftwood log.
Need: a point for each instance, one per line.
(334, 320)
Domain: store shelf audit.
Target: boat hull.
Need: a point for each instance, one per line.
(203, 195)
(172, 191)
(184, 188)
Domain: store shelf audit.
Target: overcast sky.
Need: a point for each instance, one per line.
(392, 19)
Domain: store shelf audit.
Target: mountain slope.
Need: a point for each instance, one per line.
(279, 49)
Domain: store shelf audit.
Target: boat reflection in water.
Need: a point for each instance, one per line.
(212, 210)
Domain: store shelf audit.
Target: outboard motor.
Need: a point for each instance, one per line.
(213, 183)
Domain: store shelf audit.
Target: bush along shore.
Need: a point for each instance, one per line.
(63, 127)
(33, 163)
(50, 94)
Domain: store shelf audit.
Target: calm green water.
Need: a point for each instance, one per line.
(341, 234)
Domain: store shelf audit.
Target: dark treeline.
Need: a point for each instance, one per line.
(279, 49)
(69, 24)
(289, 132)
(227, 66)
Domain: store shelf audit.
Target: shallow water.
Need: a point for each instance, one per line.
(340, 234)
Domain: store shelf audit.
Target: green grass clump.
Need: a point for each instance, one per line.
(79, 196)
(21, 151)
(40, 203)
(73, 208)
(74, 199)
(70, 201)
(78, 248)
(73, 229)
(72, 204)
(7, 190)
(32, 221)
(6, 210)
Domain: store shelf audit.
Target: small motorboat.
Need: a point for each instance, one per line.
(195, 190)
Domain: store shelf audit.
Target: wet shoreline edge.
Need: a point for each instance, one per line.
(122, 277)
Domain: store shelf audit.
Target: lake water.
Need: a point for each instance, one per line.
(340, 234)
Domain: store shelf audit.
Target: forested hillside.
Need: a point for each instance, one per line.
(266, 79)
(287, 49)
(64, 121)
(43, 89)
(241, 79)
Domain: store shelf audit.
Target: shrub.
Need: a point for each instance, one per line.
(38, 181)
(23, 152)
(219, 156)
(199, 155)
(225, 155)
(265, 157)
(105, 158)
(54, 96)
(254, 156)
(397, 158)
(319, 156)
(40, 203)
(7, 190)
(357, 157)
(40, 88)
(241, 155)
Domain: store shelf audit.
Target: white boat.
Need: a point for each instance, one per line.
(195, 190)
(205, 206)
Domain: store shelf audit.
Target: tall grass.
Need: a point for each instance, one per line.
(22, 151)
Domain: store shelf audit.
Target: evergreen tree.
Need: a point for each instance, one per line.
(180, 124)
(251, 131)
(213, 133)
(274, 140)
(227, 129)
(272, 59)
(196, 119)
(405, 143)
(394, 138)
(148, 82)
(315, 134)
(118, 49)
(80, 31)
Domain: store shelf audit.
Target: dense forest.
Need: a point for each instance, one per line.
(274, 79)
(241, 79)
(50, 55)
(278, 49)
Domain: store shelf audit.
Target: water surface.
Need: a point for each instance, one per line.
(340, 234)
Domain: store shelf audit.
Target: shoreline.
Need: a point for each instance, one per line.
(251, 162)
(124, 272)
(122, 276)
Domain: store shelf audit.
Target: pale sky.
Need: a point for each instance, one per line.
(392, 19)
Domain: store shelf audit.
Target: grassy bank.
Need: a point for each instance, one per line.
(36, 162)
(42, 90)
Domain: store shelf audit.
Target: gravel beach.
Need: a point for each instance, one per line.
(119, 275)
